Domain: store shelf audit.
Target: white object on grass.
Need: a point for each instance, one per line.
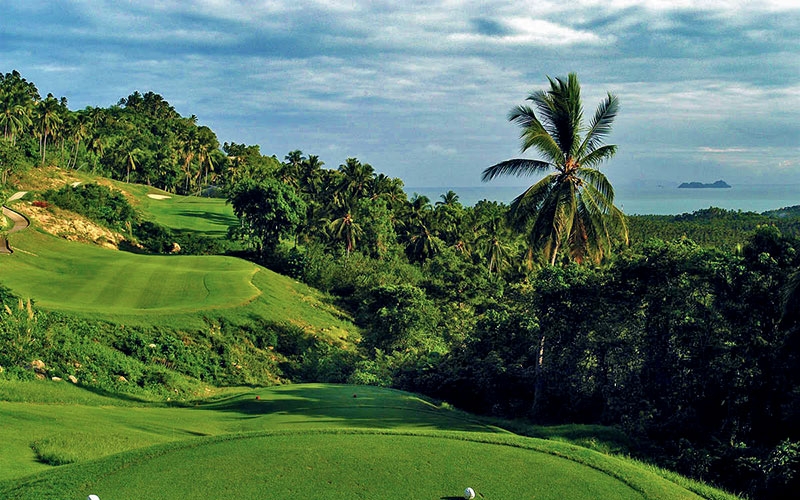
(469, 494)
(93, 497)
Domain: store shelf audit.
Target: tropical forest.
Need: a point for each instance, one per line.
(161, 271)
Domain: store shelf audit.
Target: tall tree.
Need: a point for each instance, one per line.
(572, 207)
(48, 120)
(267, 210)
(355, 182)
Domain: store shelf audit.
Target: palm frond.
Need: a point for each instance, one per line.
(598, 156)
(518, 167)
(536, 134)
(598, 181)
(600, 126)
(530, 201)
(594, 240)
(548, 111)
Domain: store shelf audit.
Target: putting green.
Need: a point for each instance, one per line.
(66, 276)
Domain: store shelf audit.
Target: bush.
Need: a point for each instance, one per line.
(98, 203)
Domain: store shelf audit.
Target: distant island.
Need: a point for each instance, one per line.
(701, 185)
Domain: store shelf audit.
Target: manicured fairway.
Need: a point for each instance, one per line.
(77, 277)
(292, 442)
(161, 290)
(206, 216)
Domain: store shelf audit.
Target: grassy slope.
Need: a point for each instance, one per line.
(300, 441)
(174, 291)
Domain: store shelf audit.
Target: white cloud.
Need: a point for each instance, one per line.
(526, 31)
(706, 149)
(440, 150)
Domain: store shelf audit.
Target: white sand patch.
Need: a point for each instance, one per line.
(17, 195)
(158, 196)
(76, 184)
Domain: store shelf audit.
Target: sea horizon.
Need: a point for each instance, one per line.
(650, 199)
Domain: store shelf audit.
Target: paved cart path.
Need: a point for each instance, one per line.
(19, 220)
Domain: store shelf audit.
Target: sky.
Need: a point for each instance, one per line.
(421, 90)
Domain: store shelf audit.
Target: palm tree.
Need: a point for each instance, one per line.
(345, 228)
(448, 198)
(492, 244)
(14, 115)
(421, 243)
(291, 167)
(355, 182)
(48, 121)
(572, 207)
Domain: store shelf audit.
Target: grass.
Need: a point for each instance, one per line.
(161, 290)
(292, 442)
(208, 217)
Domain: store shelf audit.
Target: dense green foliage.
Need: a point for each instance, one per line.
(98, 203)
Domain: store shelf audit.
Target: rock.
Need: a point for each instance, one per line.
(175, 247)
(76, 364)
(122, 379)
(38, 367)
(73, 379)
(56, 379)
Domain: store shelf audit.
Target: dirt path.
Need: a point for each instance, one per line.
(19, 220)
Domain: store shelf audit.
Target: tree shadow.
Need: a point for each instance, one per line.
(350, 406)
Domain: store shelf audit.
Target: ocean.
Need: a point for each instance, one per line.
(650, 199)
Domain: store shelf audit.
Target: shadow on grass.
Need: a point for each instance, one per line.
(120, 396)
(215, 218)
(350, 406)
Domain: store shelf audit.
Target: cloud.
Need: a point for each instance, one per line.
(423, 88)
(516, 31)
(440, 150)
(706, 149)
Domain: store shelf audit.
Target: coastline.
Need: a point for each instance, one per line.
(651, 199)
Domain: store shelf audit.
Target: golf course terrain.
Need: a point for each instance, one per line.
(291, 442)
(65, 440)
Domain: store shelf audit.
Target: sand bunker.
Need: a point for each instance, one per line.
(158, 196)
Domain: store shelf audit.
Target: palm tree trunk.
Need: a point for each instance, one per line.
(538, 383)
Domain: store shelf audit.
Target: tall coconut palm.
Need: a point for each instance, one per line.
(492, 244)
(346, 229)
(48, 121)
(572, 207)
(448, 198)
(14, 115)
